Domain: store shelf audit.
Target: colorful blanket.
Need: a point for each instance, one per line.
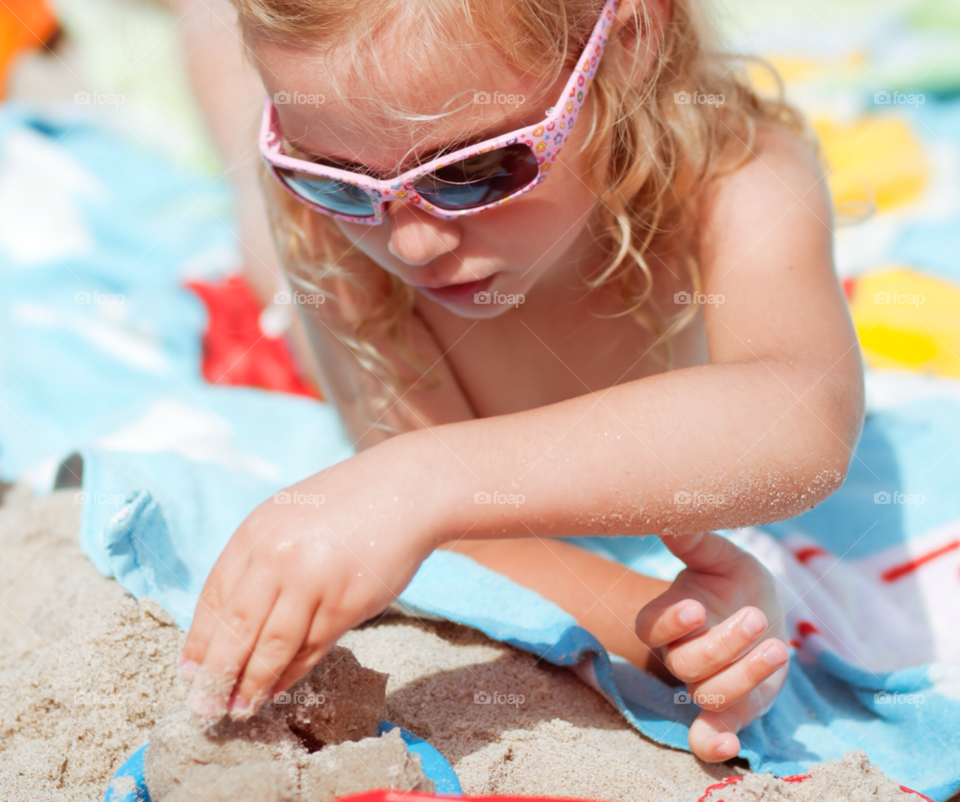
(115, 265)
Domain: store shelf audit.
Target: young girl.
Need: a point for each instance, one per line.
(564, 274)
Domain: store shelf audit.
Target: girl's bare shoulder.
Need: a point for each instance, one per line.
(779, 165)
(779, 181)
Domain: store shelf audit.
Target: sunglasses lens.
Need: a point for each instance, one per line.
(328, 193)
(481, 179)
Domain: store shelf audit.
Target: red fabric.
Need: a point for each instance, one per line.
(807, 554)
(235, 350)
(893, 574)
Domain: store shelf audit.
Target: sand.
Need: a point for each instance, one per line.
(262, 759)
(859, 781)
(84, 669)
(86, 672)
(313, 743)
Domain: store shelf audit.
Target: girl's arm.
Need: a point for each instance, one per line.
(762, 433)
(371, 410)
(230, 95)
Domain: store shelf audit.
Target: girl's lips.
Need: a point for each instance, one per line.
(458, 293)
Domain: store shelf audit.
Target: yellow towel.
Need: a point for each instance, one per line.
(908, 321)
(877, 158)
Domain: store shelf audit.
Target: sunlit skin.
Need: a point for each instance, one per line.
(562, 401)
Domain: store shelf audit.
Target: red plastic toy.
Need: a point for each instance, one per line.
(235, 349)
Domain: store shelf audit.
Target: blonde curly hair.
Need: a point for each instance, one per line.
(662, 157)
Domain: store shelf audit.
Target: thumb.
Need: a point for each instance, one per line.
(706, 552)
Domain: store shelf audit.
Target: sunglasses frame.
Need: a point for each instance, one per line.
(545, 139)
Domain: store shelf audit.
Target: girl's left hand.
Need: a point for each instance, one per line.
(719, 628)
(306, 566)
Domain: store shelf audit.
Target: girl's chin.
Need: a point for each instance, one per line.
(478, 312)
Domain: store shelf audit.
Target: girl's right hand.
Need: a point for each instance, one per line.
(306, 566)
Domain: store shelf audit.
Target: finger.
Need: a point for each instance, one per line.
(330, 621)
(664, 621)
(218, 588)
(284, 633)
(705, 654)
(712, 735)
(240, 623)
(305, 659)
(729, 686)
(706, 552)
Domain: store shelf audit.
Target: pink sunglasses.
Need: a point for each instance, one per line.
(463, 182)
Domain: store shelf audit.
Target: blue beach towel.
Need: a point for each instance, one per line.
(172, 465)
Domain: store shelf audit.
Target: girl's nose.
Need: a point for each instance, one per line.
(416, 237)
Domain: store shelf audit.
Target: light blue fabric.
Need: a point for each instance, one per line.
(156, 516)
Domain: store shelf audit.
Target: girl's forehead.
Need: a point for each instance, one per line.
(390, 112)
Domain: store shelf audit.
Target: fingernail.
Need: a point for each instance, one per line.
(753, 624)
(689, 615)
(188, 670)
(775, 654)
(726, 750)
(202, 705)
(239, 707)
